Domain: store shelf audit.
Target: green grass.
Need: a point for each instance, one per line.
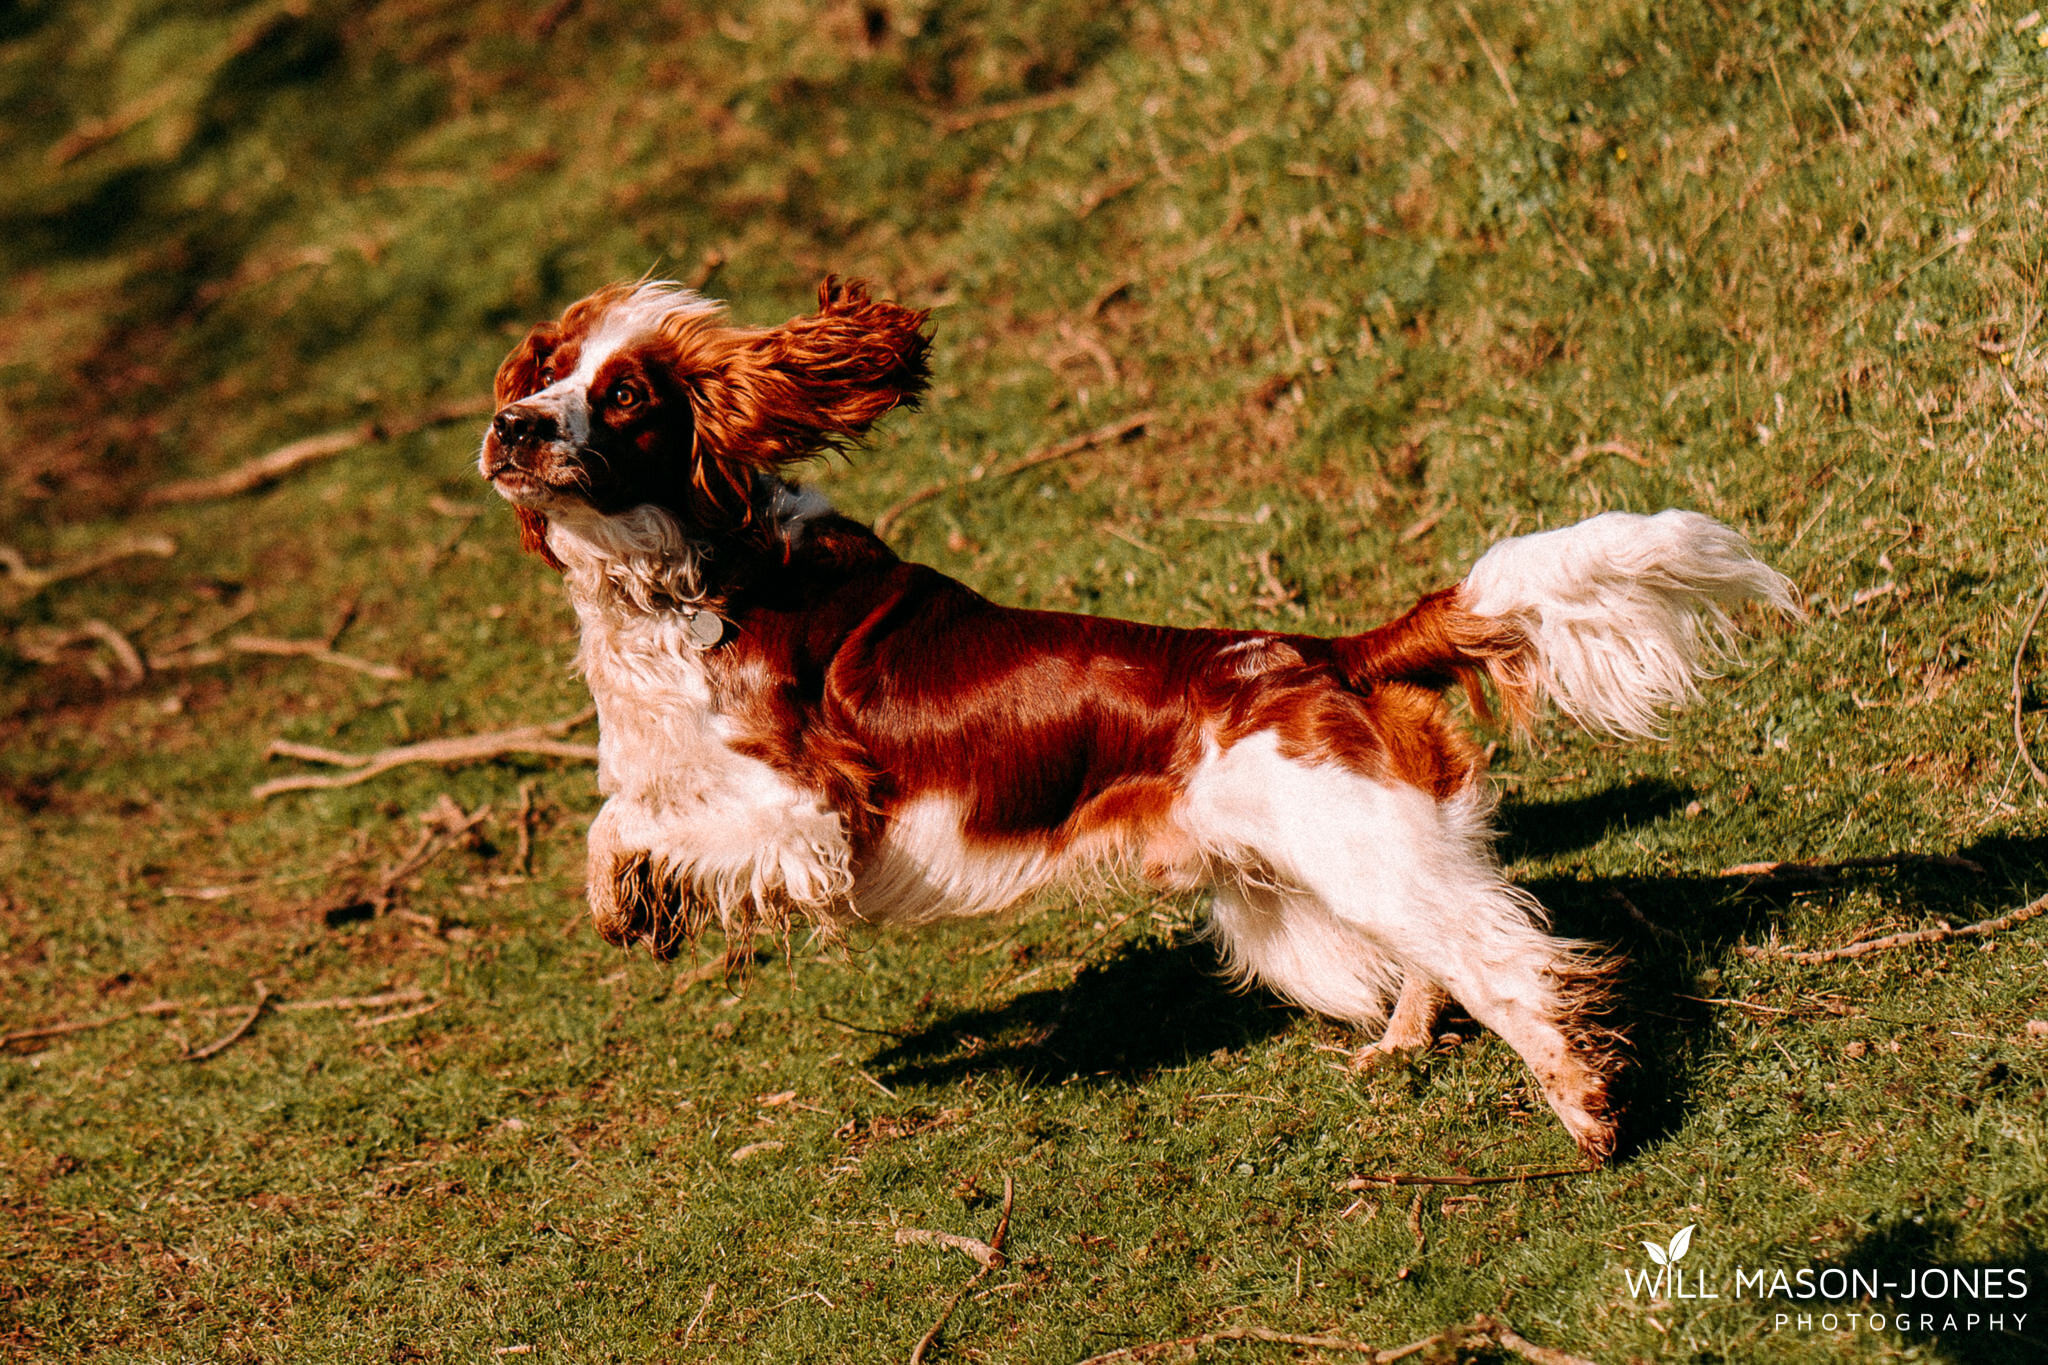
(1780, 263)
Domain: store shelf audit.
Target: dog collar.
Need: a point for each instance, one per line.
(702, 629)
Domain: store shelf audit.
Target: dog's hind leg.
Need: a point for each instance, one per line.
(1288, 942)
(1416, 880)
(1410, 1029)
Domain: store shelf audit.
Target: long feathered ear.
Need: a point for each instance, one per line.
(776, 397)
(517, 378)
(519, 375)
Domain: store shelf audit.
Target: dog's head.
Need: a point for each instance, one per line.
(641, 394)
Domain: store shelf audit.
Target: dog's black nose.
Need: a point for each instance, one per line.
(523, 426)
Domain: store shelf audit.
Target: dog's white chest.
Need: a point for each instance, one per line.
(661, 743)
(680, 791)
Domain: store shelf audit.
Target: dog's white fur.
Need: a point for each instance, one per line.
(1627, 612)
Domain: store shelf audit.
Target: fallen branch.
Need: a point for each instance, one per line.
(433, 842)
(49, 649)
(1790, 871)
(377, 1021)
(157, 1009)
(1582, 453)
(973, 1247)
(1366, 1182)
(1500, 71)
(235, 1035)
(523, 859)
(170, 649)
(320, 651)
(961, 120)
(410, 996)
(29, 580)
(1941, 933)
(994, 1262)
(1635, 913)
(267, 469)
(1115, 431)
(1481, 1331)
(526, 739)
(124, 653)
(31, 1035)
(2019, 733)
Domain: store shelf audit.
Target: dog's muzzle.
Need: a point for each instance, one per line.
(520, 425)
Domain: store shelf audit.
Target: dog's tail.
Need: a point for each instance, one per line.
(1613, 620)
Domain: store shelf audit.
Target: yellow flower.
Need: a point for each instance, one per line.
(1621, 153)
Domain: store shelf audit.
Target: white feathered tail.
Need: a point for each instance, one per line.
(1622, 614)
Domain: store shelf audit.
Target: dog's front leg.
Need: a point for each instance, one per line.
(614, 880)
(659, 876)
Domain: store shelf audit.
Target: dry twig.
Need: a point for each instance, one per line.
(523, 859)
(28, 580)
(378, 1020)
(32, 1035)
(235, 1035)
(2019, 654)
(1941, 933)
(412, 995)
(156, 1009)
(995, 1261)
(973, 1247)
(1635, 913)
(1115, 431)
(125, 653)
(712, 262)
(320, 651)
(1582, 453)
(1481, 1331)
(1422, 525)
(49, 649)
(961, 120)
(166, 653)
(435, 840)
(525, 739)
(710, 1293)
(1787, 871)
(1500, 71)
(268, 468)
(1366, 1182)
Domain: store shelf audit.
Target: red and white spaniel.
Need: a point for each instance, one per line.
(796, 725)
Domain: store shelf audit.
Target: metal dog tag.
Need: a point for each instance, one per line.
(703, 629)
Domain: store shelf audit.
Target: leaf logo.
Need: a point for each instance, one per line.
(1681, 1242)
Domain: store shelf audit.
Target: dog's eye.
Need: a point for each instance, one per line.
(547, 373)
(624, 396)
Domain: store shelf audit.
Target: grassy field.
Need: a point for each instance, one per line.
(1392, 281)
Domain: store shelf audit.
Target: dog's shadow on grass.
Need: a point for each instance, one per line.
(1948, 1313)
(1158, 1004)
(1545, 829)
(1154, 1005)
(1673, 930)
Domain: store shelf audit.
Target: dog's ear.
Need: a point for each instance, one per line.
(533, 536)
(519, 377)
(815, 383)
